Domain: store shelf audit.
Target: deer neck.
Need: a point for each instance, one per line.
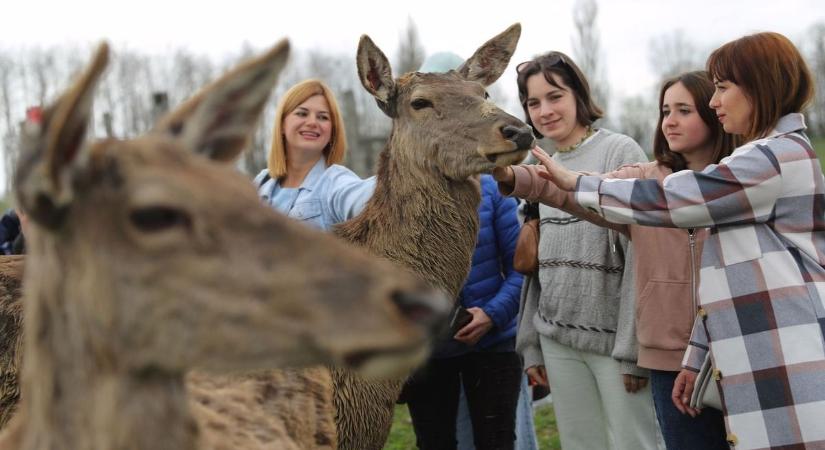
(420, 218)
(75, 395)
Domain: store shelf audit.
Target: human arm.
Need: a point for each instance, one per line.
(527, 338)
(527, 182)
(742, 189)
(503, 306)
(695, 354)
(626, 345)
(348, 194)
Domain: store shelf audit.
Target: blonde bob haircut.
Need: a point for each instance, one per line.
(336, 149)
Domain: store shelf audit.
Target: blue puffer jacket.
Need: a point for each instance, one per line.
(492, 284)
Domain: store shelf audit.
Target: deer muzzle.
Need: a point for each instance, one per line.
(428, 309)
(521, 136)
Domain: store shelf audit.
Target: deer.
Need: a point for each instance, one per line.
(159, 292)
(423, 214)
(11, 327)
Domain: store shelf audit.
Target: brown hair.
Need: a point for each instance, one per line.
(559, 64)
(772, 73)
(700, 87)
(337, 147)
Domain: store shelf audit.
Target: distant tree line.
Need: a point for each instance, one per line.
(140, 86)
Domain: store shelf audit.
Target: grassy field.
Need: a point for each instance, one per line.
(819, 146)
(402, 437)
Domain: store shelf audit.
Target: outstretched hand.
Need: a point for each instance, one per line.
(559, 175)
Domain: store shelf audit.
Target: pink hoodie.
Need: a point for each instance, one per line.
(666, 279)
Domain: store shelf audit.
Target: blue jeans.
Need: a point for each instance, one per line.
(680, 431)
(525, 430)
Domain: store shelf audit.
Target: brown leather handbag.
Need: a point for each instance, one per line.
(526, 256)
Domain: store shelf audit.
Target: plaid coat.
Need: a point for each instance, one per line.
(762, 281)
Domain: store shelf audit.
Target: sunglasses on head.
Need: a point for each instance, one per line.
(546, 60)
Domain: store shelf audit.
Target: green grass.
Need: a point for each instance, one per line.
(819, 147)
(546, 430)
(403, 438)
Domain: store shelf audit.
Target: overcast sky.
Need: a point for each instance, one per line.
(626, 26)
(216, 28)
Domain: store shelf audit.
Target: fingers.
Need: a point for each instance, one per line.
(504, 175)
(632, 383)
(543, 376)
(537, 375)
(642, 383)
(465, 332)
(626, 381)
(540, 154)
(682, 391)
(470, 334)
(686, 394)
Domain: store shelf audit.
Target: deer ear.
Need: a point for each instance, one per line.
(376, 74)
(51, 148)
(490, 60)
(218, 120)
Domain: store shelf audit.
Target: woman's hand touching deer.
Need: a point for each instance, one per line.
(556, 173)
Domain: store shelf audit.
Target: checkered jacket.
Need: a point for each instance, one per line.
(762, 288)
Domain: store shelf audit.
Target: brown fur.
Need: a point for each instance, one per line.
(148, 258)
(423, 214)
(11, 322)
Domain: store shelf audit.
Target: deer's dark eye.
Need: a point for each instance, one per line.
(421, 103)
(486, 95)
(159, 218)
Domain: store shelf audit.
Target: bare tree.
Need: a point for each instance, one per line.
(124, 101)
(816, 57)
(637, 119)
(672, 54)
(9, 131)
(587, 50)
(410, 51)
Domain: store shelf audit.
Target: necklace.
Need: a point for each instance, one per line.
(588, 131)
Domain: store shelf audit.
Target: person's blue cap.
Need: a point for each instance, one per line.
(440, 62)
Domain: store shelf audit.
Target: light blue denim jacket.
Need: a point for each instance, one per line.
(327, 196)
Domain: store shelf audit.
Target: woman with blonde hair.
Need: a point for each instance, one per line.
(304, 179)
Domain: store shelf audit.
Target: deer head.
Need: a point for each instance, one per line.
(444, 122)
(154, 253)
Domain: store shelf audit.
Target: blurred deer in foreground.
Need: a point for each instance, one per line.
(152, 256)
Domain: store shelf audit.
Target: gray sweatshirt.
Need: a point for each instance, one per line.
(583, 294)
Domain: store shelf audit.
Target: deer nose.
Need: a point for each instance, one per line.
(428, 309)
(521, 136)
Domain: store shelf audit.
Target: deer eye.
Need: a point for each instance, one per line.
(486, 95)
(421, 103)
(159, 218)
